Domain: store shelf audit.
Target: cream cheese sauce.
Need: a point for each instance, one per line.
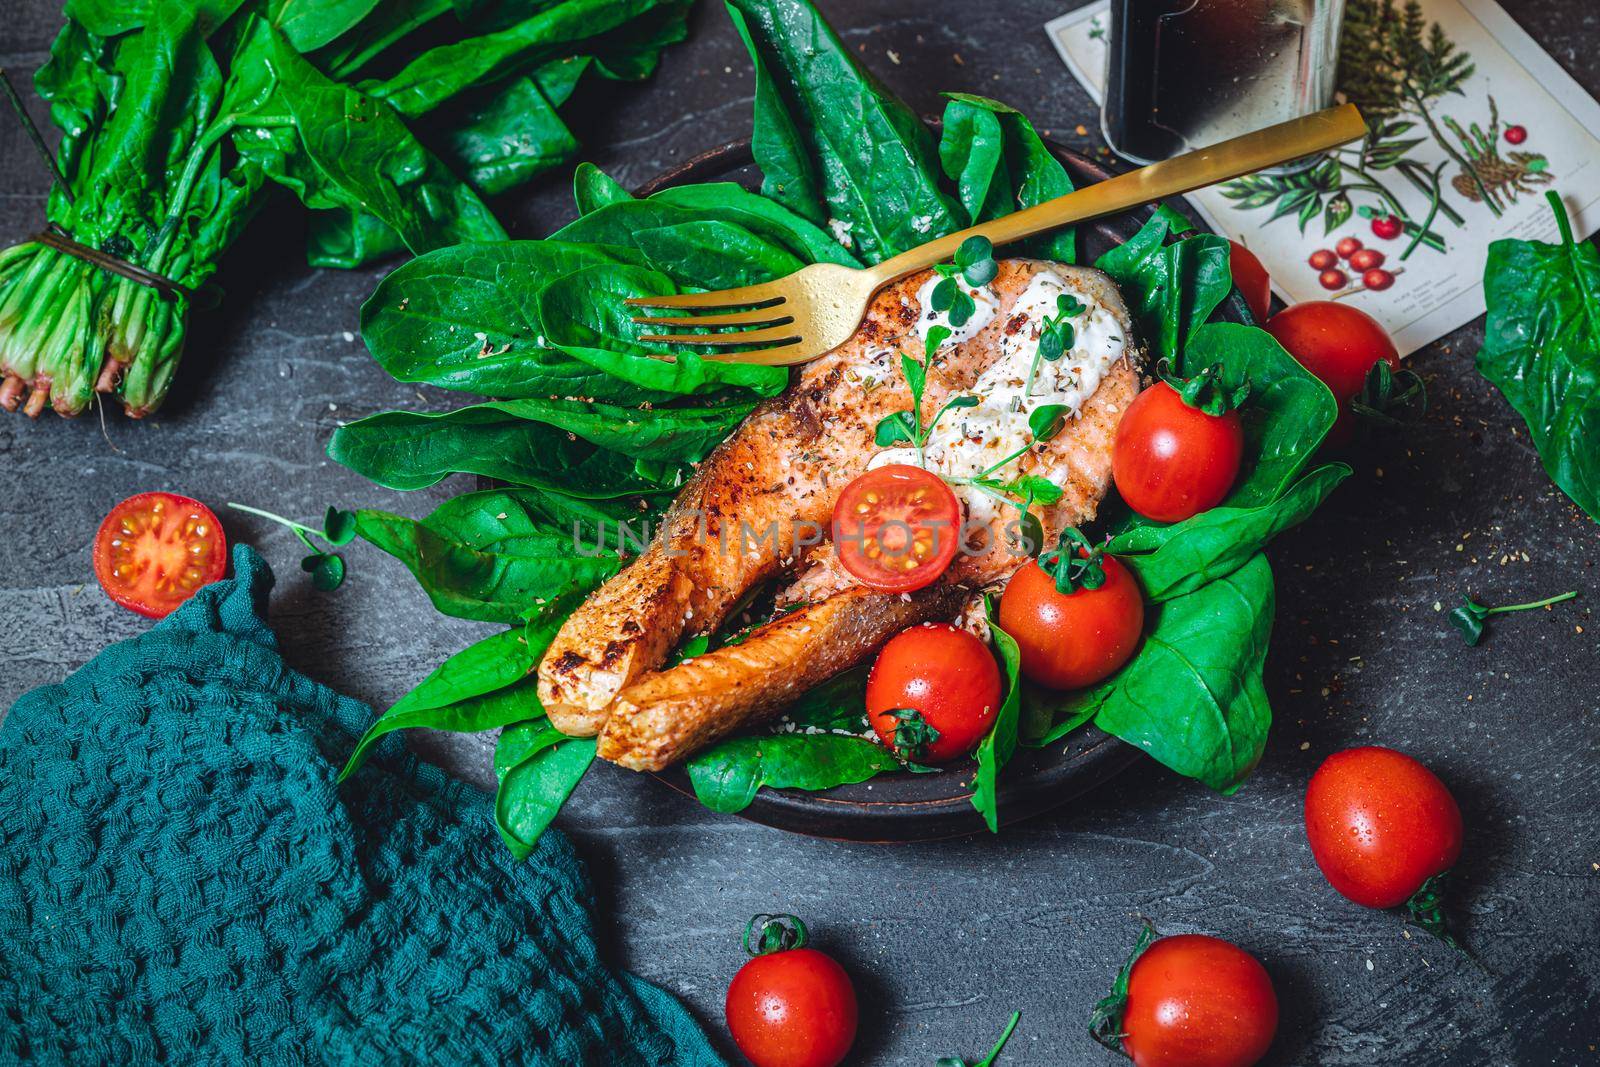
(986, 304)
(968, 441)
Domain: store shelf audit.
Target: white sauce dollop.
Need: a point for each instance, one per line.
(968, 441)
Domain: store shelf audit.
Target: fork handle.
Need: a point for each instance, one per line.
(1222, 162)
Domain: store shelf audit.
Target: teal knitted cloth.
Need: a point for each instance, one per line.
(181, 880)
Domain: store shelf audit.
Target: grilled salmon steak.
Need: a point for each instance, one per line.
(759, 508)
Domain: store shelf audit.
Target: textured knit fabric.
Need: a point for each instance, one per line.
(182, 882)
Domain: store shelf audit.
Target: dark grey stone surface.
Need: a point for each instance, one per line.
(946, 939)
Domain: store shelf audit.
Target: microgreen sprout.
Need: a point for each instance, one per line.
(1056, 337)
(994, 1053)
(907, 425)
(1471, 616)
(338, 528)
(975, 266)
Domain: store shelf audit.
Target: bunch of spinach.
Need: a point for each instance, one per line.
(389, 119)
(1541, 348)
(588, 430)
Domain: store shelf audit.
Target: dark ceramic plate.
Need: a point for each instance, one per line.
(920, 807)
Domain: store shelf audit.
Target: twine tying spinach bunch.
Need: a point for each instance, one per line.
(389, 119)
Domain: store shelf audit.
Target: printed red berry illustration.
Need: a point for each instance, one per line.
(1377, 279)
(1366, 259)
(1332, 279)
(1516, 134)
(1322, 259)
(1389, 227)
(1347, 247)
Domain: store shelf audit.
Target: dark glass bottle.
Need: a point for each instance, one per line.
(1183, 74)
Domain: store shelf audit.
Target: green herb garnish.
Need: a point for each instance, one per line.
(907, 425)
(994, 1053)
(975, 265)
(1056, 337)
(338, 529)
(1471, 616)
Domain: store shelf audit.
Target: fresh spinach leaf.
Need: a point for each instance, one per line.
(593, 189)
(538, 768)
(1171, 289)
(586, 317)
(875, 162)
(366, 158)
(1000, 743)
(727, 775)
(730, 202)
(788, 174)
(1541, 349)
(999, 164)
(1287, 416)
(504, 138)
(467, 318)
(1193, 696)
(714, 255)
(484, 686)
(405, 450)
(1171, 561)
(490, 565)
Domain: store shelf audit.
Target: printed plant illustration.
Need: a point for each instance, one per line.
(1397, 67)
(1486, 176)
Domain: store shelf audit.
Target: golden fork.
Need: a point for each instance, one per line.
(817, 308)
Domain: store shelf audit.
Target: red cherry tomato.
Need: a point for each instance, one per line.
(896, 528)
(1070, 640)
(1198, 1001)
(1380, 824)
(155, 549)
(1516, 134)
(792, 1008)
(1366, 259)
(945, 675)
(1377, 279)
(1170, 460)
(1322, 259)
(1251, 279)
(1388, 227)
(1332, 279)
(1348, 247)
(1339, 344)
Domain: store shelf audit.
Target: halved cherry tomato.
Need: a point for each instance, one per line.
(896, 528)
(933, 693)
(1070, 640)
(1380, 824)
(1171, 460)
(155, 549)
(791, 1007)
(1251, 279)
(1198, 1001)
(1339, 344)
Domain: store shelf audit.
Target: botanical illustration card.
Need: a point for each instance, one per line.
(1471, 122)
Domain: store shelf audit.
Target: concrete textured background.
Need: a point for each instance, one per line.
(944, 940)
